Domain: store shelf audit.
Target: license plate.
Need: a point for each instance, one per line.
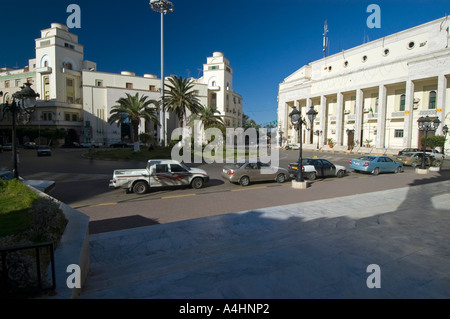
(294, 167)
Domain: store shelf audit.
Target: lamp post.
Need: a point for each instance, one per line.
(444, 131)
(311, 116)
(25, 107)
(426, 125)
(162, 7)
(297, 121)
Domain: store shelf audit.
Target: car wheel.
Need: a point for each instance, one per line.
(244, 181)
(281, 178)
(312, 176)
(197, 183)
(398, 170)
(414, 164)
(140, 188)
(376, 171)
(341, 174)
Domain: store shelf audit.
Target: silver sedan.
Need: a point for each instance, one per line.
(246, 173)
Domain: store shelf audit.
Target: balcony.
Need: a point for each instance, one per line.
(398, 115)
(44, 70)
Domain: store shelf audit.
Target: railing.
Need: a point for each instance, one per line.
(14, 270)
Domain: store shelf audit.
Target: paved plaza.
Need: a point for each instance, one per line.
(318, 249)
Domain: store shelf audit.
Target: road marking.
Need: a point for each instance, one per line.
(106, 204)
(178, 196)
(248, 188)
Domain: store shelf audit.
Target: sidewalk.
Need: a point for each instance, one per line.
(319, 249)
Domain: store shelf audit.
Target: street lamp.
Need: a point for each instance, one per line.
(426, 125)
(162, 7)
(312, 116)
(297, 121)
(22, 109)
(444, 131)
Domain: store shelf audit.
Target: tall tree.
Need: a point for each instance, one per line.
(208, 117)
(132, 109)
(181, 97)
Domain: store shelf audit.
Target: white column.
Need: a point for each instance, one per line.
(358, 115)
(323, 120)
(310, 124)
(340, 118)
(409, 110)
(441, 109)
(381, 123)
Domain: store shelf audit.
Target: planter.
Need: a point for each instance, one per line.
(435, 169)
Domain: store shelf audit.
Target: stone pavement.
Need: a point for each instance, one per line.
(319, 249)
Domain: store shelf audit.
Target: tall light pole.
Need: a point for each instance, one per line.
(162, 7)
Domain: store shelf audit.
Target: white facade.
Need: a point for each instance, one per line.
(373, 94)
(75, 96)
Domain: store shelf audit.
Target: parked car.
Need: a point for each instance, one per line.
(435, 153)
(415, 159)
(89, 145)
(245, 173)
(30, 145)
(292, 147)
(317, 167)
(71, 145)
(44, 151)
(7, 147)
(158, 173)
(375, 165)
(408, 150)
(119, 145)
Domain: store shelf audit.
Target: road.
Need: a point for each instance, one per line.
(83, 184)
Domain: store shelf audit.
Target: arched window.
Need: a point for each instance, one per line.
(402, 102)
(432, 100)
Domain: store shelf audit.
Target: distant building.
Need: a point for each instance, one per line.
(374, 93)
(76, 98)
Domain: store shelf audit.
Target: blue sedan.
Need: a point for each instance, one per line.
(375, 165)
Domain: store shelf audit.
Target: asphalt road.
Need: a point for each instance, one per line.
(83, 184)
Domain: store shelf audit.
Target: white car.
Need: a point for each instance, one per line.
(435, 153)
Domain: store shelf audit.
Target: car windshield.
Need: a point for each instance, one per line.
(238, 165)
(185, 167)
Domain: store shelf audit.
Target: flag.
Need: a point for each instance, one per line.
(371, 111)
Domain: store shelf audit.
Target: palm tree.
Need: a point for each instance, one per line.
(208, 117)
(132, 109)
(181, 97)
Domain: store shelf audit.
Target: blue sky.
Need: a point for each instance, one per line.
(264, 40)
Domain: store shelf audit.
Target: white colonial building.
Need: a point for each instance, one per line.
(75, 97)
(373, 94)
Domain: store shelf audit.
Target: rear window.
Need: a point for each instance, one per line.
(367, 158)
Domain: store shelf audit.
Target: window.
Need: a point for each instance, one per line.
(46, 88)
(402, 102)
(364, 58)
(398, 133)
(99, 83)
(175, 168)
(18, 83)
(70, 46)
(386, 52)
(411, 45)
(345, 64)
(47, 116)
(214, 67)
(70, 92)
(74, 118)
(152, 88)
(432, 100)
(162, 168)
(67, 117)
(129, 85)
(7, 84)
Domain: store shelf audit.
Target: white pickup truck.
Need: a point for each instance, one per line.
(158, 173)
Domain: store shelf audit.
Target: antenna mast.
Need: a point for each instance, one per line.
(325, 39)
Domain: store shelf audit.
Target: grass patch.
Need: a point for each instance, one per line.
(16, 200)
(145, 154)
(128, 154)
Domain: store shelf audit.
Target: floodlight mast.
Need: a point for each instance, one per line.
(163, 7)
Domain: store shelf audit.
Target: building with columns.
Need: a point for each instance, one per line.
(372, 95)
(75, 97)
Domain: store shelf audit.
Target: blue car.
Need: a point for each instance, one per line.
(375, 165)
